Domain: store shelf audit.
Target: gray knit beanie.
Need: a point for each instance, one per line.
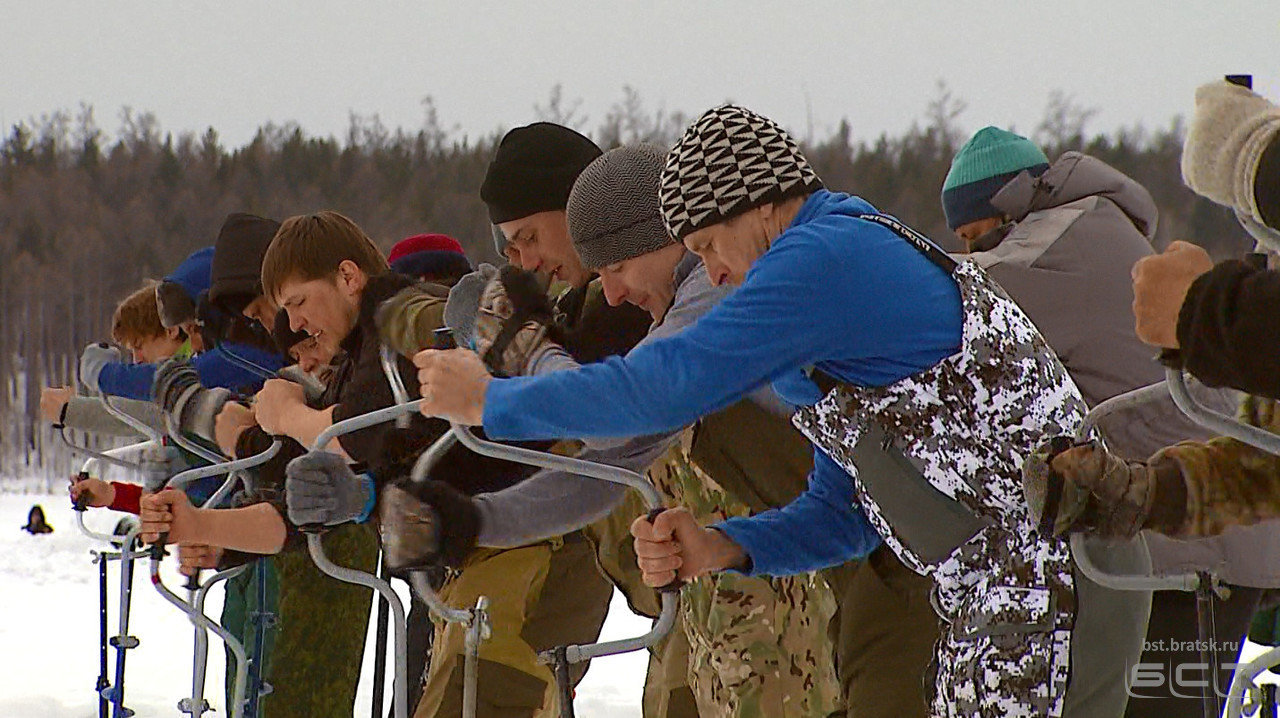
(613, 208)
(730, 160)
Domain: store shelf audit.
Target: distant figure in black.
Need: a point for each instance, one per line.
(36, 523)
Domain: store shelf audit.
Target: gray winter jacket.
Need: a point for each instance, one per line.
(551, 503)
(87, 414)
(1075, 233)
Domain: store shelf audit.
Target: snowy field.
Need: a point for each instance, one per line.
(49, 630)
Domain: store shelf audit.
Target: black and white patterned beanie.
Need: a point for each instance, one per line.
(613, 210)
(730, 160)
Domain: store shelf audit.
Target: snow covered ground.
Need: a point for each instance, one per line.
(49, 630)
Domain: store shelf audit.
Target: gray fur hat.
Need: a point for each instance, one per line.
(613, 208)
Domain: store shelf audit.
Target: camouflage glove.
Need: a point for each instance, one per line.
(1084, 487)
(514, 324)
(426, 525)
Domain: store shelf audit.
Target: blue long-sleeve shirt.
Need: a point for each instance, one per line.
(217, 368)
(845, 295)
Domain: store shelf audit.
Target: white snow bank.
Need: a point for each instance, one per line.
(49, 630)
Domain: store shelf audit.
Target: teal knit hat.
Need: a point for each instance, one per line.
(981, 168)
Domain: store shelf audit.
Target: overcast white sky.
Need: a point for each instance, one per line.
(235, 64)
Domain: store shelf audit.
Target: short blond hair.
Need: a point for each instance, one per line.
(137, 317)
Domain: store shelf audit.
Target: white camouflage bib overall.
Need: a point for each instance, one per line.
(966, 424)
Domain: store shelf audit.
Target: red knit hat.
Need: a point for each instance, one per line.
(424, 243)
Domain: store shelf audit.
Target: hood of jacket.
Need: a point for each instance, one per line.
(1075, 176)
(377, 290)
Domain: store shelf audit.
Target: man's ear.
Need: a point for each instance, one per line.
(173, 333)
(351, 277)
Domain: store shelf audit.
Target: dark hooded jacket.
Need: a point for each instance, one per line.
(357, 386)
(364, 388)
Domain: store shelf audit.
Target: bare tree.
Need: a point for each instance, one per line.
(557, 111)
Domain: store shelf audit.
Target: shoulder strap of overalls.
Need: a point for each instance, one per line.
(915, 239)
(931, 251)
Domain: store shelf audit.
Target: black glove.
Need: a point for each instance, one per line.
(398, 449)
(426, 524)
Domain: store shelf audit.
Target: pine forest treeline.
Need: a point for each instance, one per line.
(85, 216)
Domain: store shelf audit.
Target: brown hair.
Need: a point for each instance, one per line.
(137, 317)
(311, 246)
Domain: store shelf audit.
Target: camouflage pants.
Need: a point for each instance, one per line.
(758, 646)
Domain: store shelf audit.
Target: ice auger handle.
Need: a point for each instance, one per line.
(82, 501)
(676, 584)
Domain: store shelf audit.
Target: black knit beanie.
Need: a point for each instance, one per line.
(284, 336)
(613, 210)
(237, 260)
(534, 169)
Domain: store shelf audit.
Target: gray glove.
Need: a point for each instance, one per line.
(94, 359)
(464, 303)
(1229, 131)
(321, 489)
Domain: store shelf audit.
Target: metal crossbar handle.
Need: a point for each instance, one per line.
(363, 421)
(388, 358)
(1118, 582)
(92, 464)
(129, 420)
(201, 621)
(603, 472)
(1202, 583)
(400, 699)
(476, 621)
(213, 457)
(110, 456)
(1079, 551)
(186, 477)
(1120, 402)
(348, 575)
(519, 454)
(175, 433)
(101, 456)
(1244, 680)
(418, 581)
(202, 655)
(194, 705)
(1217, 422)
